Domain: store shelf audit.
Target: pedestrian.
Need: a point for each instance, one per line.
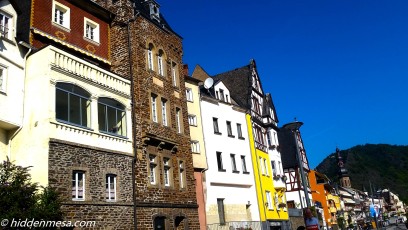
(311, 222)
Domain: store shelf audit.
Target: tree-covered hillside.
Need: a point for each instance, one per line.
(386, 166)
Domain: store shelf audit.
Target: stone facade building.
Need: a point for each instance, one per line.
(145, 47)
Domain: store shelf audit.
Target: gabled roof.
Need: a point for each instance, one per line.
(239, 82)
(268, 103)
(200, 73)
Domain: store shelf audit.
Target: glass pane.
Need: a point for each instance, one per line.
(61, 105)
(102, 117)
(74, 109)
(85, 114)
(121, 115)
(112, 123)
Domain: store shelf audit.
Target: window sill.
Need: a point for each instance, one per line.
(61, 26)
(222, 170)
(245, 172)
(218, 133)
(241, 138)
(78, 199)
(73, 124)
(235, 171)
(113, 134)
(92, 41)
(232, 136)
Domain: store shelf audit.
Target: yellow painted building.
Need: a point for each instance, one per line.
(271, 202)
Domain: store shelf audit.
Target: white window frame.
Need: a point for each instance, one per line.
(154, 107)
(195, 146)
(65, 15)
(269, 200)
(76, 187)
(189, 94)
(95, 29)
(178, 120)
(164, 111)
(233, 163)
(166, 171)
(160, 68)
(174, 73)
(6, 29)
(153, 169)
(243, 164)
(266, 167)
(3, 78)
(274, 171)
(150, 61)
(182, 171)
(261, 164)
(192, 119)
(109, 182)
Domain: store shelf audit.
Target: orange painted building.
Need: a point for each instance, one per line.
(317, 185)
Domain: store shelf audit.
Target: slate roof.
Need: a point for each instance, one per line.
(142, 7)
(287, 147)
(239, 82)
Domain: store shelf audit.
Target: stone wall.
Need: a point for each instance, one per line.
(64, 157)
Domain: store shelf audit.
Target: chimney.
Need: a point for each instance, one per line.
(185, 70)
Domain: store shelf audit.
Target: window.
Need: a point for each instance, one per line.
(261, 165)
(153, 169)
(167, 171)
(111, 116)
(222, 95)
(269, 200)
(266, 167)
(229, 129)
(226, 98)
(274, 173)
(111, 187)
(154, 107)
(91, 30)
(189, 94)
(174, 74)
(243, 163)
(215, 125)
(178, 120)
(150, 56)
(256, 106)
(78, 185)
(192, 120)
(268, 137)
(61, 15)
(195, 147)
(5, 24)
(221, 213)
(219, 162)
(164, 111)
(160, 68)
(182, 174)
(259, 137)
(159, 222)
(233, 163)
(239, 131)
(3, 78)
(280, 168)
(72, 104)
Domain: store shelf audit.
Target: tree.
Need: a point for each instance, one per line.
(22, 199)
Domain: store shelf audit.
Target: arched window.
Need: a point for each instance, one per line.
(72, 104)
(150, 56)
(159, 223)
(111, 116)
(160, 68)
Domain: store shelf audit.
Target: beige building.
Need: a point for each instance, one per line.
(197, 144)
(12, 59)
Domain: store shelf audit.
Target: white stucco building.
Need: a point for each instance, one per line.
(12, 62)
(231, 195)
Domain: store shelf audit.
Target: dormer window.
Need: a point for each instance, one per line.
(222, 95)
(154, 10)
(91, 30)
(5, 22)
(61, 15)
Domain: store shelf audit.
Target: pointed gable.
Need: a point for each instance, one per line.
(199, 73)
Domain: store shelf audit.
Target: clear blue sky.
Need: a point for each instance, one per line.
(339, 66)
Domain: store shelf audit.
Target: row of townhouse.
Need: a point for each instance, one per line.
(92, 99)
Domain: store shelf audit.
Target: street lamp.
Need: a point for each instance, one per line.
(294, 128)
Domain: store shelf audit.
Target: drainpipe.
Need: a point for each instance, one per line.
(29, 47)
(133, 117)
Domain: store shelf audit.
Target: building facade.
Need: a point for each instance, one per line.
(77, 127)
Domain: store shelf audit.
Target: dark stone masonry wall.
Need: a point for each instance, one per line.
(64, 157)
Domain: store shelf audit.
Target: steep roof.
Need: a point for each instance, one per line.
(200, 73)
(287, 148)
(142, 7)
(239, 82)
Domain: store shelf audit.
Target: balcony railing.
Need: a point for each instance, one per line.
(87, 71)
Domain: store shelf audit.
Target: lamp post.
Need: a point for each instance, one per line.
(294, 128)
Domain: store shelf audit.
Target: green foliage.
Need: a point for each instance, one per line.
(22, 199)
(384, 165)
(341, 222)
